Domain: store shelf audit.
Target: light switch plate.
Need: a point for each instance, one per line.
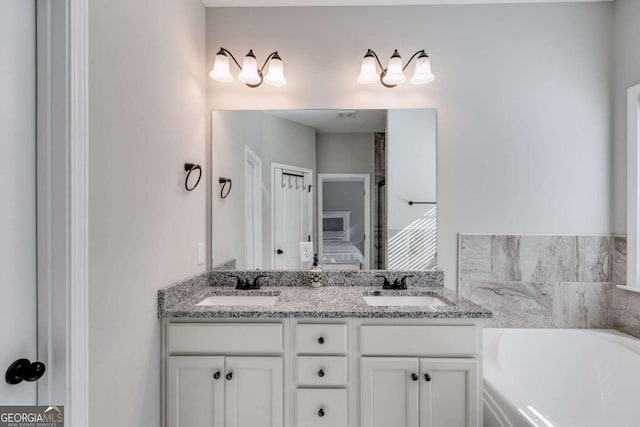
(201, 253)
(306, 251)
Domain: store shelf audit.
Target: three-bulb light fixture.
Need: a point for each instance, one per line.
(393, 75)
(249, 72)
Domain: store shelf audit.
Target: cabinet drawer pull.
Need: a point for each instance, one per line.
(414, 377)
(216, 376)
(321, 373)
(427, 377)
(229, 376)
(321, 340)
(321, 412)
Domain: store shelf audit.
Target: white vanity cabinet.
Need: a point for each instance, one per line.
(322, 373)
(411, 392)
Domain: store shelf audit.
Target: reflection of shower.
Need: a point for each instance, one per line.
(381, 225)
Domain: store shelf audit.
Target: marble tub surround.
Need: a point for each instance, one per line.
(226, 266)
(341, 301)
(619, 260)
(541, 281)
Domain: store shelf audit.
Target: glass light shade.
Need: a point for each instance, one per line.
(220, 71)
(395, 75)
(423, 74)
(275, 75)
(368, 72)
(249, 74)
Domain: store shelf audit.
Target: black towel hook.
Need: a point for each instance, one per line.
(190, 167)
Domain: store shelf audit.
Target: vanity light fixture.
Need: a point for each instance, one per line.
(249, 72)
(393, 75)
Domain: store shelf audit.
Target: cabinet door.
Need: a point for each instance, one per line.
(195, 391)
(389, 392)
(449, 393)
(253, 392)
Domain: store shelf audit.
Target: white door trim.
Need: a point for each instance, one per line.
(633, 188)
(77, 410)
(302, 170)
(251, 157)
(349, 177)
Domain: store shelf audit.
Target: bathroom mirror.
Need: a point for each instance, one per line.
(356, 187)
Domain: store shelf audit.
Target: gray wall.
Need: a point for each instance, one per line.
(522, 93)
(347, 196)
(147, 117)
(627, 74)
(274, 140)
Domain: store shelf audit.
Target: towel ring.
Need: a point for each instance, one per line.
(190, 167)
(223, 182)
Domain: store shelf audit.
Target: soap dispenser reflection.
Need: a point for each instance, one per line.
(315, 274)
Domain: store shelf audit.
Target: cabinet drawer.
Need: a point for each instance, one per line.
(321, 408)
(321, 339)
(224, 338)
(419, 340)
(330, 371)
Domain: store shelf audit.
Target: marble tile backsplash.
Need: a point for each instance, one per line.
(535, 281)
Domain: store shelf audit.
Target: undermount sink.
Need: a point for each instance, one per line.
(233, 300)
(404, 300)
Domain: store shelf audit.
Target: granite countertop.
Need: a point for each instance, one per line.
(295, 301)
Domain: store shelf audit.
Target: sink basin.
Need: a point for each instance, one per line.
(404, 300)
(231, 300)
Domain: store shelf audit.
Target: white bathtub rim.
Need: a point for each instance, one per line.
(504, 409)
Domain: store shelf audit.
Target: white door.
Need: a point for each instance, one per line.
(449, 393)
(18, 328)
(254, 392)
(253, 210)
(389, 392)
(292, 214)
(195, 391)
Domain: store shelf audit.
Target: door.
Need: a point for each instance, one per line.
(254, 392)
(449, 393)
(292, 214)
(17, 194)
(389, 392)
(253, 209)
(195, 391)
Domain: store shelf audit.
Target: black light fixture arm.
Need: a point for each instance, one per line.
(225, 51)
(412, 58)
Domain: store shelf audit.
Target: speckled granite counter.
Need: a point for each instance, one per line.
(343, 298)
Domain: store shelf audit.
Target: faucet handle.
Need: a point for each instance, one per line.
(256, 281)
(386, 281)
(238, 280)
(403, 281)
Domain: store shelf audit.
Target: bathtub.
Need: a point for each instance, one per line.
(561, 378)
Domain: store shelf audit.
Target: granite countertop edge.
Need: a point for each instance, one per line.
(297, 301)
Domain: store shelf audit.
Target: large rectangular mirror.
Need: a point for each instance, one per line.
(356, 187)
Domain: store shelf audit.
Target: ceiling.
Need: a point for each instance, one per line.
(275, 3)
(327, 121)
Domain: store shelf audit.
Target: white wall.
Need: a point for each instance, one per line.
(274, 140)
(522, 93)
(147, 118)
(17, 193)
(627, 74)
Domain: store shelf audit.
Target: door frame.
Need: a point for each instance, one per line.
(251, 157)
(349, 177)
(275, 166)
(71, 329)
(633, 189)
